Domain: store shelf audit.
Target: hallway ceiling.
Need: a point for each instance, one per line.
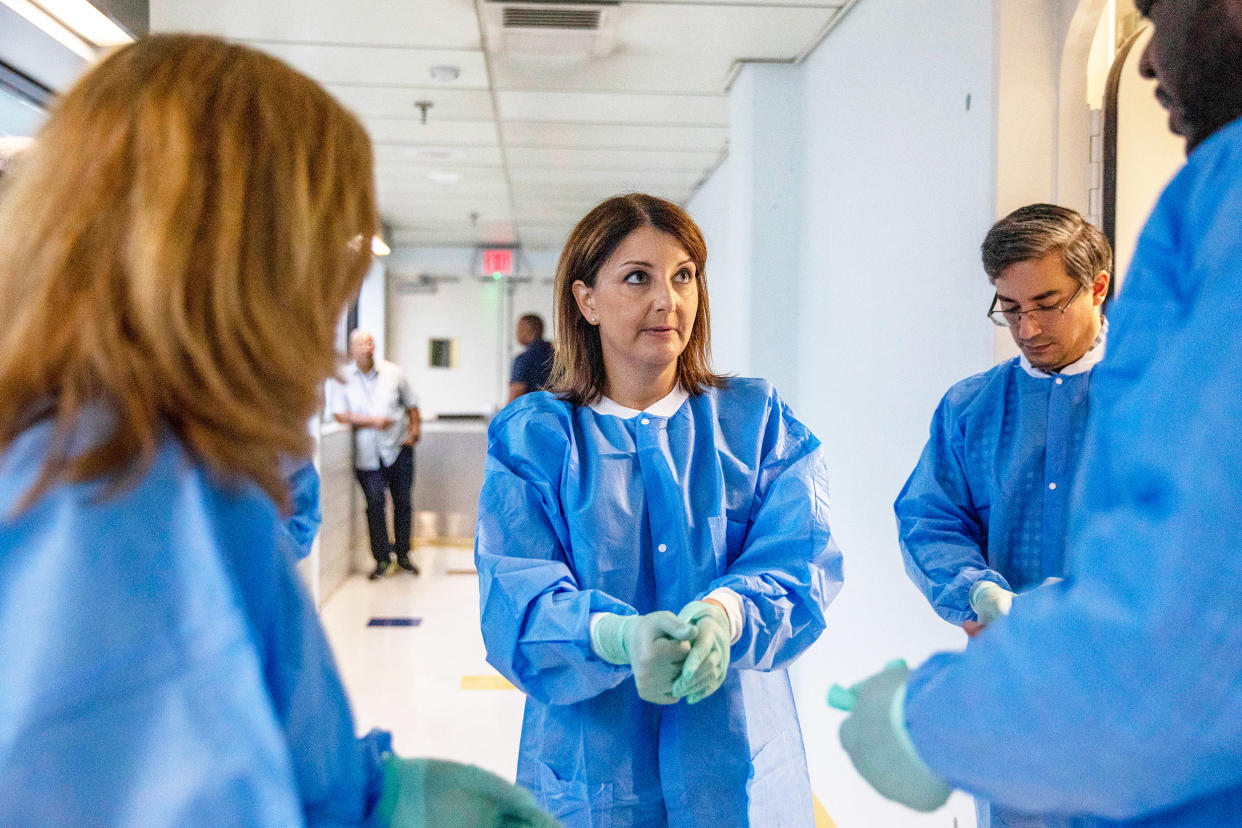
(519, 145)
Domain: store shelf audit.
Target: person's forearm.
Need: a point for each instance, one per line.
(415, 430)
(355, 420)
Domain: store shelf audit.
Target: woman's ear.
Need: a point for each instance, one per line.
(585, 297)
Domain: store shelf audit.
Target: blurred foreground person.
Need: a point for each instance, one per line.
(175, 250)
(653, 550)
(1115, 697)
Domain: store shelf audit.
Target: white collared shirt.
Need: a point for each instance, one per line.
(381, 392)
(665, 407)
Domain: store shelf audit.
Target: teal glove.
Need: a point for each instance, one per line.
(655, 645)
(990, 601)
(875, 737)
(419, 793)
(708, 661)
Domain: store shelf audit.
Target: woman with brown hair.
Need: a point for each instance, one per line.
(648, 519)
(175, 250)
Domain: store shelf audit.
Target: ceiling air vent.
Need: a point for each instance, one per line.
(551, 27)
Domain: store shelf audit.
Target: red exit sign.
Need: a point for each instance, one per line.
(497, 262)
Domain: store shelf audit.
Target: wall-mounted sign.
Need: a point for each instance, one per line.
(498, 262)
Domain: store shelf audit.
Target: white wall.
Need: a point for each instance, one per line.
(373, 306)
(1148, 155)
(877, 311)
(728, 289)
(478, 314)
(899, 192)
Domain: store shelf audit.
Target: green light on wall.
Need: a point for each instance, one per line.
(496, 276)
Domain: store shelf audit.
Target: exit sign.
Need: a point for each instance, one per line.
(498, 262)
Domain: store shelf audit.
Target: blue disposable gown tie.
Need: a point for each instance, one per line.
(584, 512)
(1118, 693)
(987, 501)
(161, 662)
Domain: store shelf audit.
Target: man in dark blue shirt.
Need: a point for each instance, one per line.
(531, 367)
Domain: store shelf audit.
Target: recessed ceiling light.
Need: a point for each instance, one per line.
(437, 154)
(441, 177)
(445, 74)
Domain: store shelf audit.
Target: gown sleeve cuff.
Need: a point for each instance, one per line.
(732, 603)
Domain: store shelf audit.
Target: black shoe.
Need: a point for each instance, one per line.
(405, 563)
(382, 568)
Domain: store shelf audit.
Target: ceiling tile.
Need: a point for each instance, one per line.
(384, 65)
(442, 24)
(459, 134)
(448, 103)
(602, 159)
(439, 156)
(613, 136)
(613, 108)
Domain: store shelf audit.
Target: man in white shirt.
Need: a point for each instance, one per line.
(378, 403)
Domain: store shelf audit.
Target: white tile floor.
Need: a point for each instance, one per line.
(408, 680)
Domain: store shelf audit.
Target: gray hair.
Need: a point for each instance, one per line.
(1035, 231)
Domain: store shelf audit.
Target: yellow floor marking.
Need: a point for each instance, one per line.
(487, 683)
(822, 820)
(451, 542)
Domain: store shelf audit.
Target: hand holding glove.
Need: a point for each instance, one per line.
(708, 661)
(990, 601)
(655, 645)
(423, 793)
(875, 737)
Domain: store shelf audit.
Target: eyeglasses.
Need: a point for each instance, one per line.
(1043, 315)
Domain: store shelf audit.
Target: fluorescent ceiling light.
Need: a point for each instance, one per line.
(378, 247)
(76, 24)
(87, 22)
(444, 177)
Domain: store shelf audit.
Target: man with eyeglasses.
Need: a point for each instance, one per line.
(983, 515)
(982, 518)
(1116, 696)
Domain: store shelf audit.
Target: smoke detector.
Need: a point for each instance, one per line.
(551, 27)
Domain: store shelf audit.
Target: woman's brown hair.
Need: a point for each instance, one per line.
(175, 250)
(578, 368)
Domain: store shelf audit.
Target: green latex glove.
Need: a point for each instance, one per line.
(990, 601)
(708, 661)
(875, 737)
(427, 793)
(655, 645)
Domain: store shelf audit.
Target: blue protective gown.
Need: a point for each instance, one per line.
(987, 500)
(161, 662)
(302, 523)
(584, 512)
(1118, 693)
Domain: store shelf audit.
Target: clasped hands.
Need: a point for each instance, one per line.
(673, 656)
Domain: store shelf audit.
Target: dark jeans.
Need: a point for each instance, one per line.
(399, 480)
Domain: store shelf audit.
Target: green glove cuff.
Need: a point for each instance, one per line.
(403, 793)
(979, 587)
(608, 636)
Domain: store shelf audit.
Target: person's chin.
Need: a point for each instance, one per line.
(1041, 358)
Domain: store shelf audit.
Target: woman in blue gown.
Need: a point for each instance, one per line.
(653, 550)
(175, 250)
